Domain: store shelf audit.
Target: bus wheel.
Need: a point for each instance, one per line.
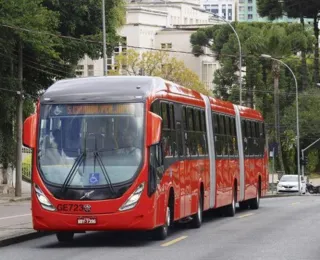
(197, 218)
(255, 203)
(161, 233)
(65, 236)
(231, 209)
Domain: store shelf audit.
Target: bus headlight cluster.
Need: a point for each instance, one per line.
(45, 203)
(133, 199)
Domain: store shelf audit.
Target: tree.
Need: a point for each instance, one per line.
(41, 41)
(33, 15)
(296, 9)
(83, 20)
(280, 40)
(160, 64)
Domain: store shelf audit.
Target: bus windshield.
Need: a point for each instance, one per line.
(107, 137)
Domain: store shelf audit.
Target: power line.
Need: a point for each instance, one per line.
(100, 43)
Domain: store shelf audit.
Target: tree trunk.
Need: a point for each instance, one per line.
(5, 173)
(304, 68)
(316, 50)
(19, 125)
(276, 73)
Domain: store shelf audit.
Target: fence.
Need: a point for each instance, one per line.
(26, 163)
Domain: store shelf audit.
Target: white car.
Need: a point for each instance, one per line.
(289, 183)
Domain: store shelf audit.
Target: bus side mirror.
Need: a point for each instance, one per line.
(154, 124)
(29, 131)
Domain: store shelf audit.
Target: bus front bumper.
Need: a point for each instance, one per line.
(130, 220)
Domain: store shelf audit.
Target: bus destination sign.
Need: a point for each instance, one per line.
(94, 109)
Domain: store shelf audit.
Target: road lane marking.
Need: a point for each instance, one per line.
(174, 241)
(246, 215)
(16, 216)
(295, 203)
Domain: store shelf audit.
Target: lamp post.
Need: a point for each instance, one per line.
(104, 38)
(240, 53)
(297, 113)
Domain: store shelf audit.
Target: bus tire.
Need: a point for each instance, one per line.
(230, 210)
(65, 236)
(161, 233)
(255, 203)
(197, 218)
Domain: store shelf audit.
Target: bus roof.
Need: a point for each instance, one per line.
(101, 89)
(127, 89)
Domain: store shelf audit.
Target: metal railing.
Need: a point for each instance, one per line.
(26, 163)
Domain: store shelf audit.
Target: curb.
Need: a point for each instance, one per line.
(22, 238)
(4, 200)
(20, 199)
(279, 196)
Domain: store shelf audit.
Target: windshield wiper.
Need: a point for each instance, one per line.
(104, 171)
(70, 175)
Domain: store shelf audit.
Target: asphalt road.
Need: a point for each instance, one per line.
(283, 228)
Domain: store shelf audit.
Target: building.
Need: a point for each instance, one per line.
(247, 11)
(154, 25)
(222, 8)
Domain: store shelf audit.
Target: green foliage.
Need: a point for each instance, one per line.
(54, 35)
(26, 168)
(282, 41)
(313, 160)
(270, 8)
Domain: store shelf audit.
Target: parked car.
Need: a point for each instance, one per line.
(289, 183)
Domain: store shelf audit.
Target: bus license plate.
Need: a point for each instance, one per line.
(87, 221)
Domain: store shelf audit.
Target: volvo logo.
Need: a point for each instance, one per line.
(87, 195)
(87, 208)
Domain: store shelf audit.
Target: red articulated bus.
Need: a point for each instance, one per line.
(140, 153)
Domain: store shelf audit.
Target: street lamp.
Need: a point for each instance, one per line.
(297, 113)
(240, 53)
(104, 38)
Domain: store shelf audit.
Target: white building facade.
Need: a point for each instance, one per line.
(154, 25)
(223, 8)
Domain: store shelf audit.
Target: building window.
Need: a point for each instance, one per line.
(90, 70)
(241, 1)
(80, 67)
(241, 17)
(241, 9)
(250, 16)
(207, 74)
(229, 12)
(249, 1)
(79, 73)
(166, 45)
(250, 8)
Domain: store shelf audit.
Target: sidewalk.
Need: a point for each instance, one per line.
(15, 217)
(26, 194)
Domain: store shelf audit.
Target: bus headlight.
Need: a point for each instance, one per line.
(45, 203)
(133, 199)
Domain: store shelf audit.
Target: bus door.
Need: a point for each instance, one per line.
(182, 179)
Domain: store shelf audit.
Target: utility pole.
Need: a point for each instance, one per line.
(18, 182)
(104, 38)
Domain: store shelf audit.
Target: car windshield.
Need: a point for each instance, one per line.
(287, 178)
(105, 140)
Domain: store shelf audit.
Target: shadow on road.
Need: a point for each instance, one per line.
(134, 239)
